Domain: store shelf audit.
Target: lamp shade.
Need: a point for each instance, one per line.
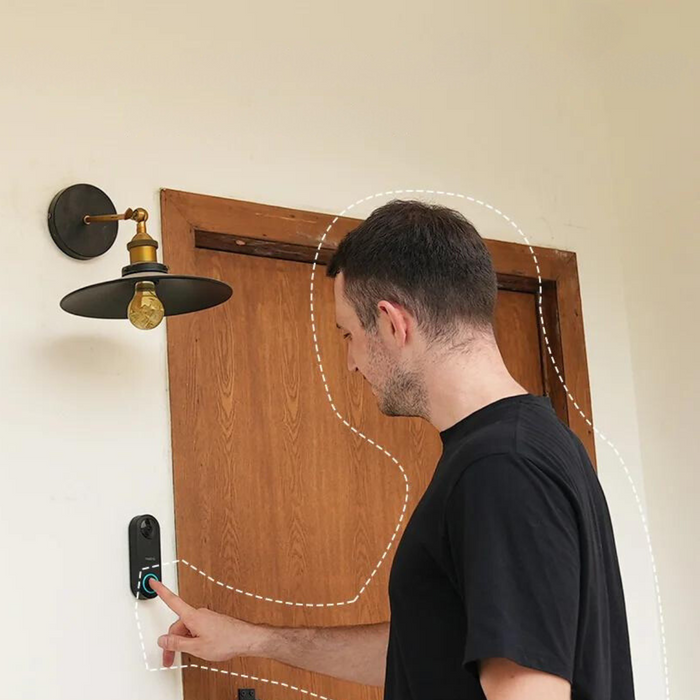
(179, 294)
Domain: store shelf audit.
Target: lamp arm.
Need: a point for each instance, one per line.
(138, 215)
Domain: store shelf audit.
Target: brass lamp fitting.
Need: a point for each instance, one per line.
(142, 248)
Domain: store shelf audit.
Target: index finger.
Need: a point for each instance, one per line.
(172, 600)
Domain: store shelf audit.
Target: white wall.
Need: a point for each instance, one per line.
(652, 74)
(310, 106)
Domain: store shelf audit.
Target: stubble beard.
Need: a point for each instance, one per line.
(403, 393)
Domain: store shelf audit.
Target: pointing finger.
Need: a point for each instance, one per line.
(173, 601)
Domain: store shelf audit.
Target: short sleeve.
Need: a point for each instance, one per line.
(513, 539)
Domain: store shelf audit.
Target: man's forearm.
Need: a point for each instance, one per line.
(356, 653)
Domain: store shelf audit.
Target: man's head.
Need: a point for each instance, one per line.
(412, 282)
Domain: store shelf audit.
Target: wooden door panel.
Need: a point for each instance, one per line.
(518, 336)
(274, 495)
(273, 492)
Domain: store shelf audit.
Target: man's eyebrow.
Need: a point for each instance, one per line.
(338, 327)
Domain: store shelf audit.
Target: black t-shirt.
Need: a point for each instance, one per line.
(509, 553)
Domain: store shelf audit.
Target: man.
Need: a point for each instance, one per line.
(505, 584)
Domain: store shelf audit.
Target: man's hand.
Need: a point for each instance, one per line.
(205, 633)
(354, 653)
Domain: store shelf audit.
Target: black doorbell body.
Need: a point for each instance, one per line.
(144, 555)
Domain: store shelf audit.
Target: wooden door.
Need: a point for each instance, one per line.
(275, 496)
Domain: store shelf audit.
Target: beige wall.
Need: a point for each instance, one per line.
(311, 106)
(652, 72)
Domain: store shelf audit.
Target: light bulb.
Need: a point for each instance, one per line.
(146, 310)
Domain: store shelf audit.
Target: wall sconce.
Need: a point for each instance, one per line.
(83, 224)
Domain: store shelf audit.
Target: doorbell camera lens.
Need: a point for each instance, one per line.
(147, 528)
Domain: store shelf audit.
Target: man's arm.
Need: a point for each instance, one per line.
(513, 535)
(503, 679)
(356, 653)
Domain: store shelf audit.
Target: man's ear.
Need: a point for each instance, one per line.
(397, 319)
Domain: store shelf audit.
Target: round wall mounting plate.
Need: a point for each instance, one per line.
(68, 228)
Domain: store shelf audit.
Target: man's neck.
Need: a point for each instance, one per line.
(459, 384)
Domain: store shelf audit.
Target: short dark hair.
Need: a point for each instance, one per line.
(425, 257)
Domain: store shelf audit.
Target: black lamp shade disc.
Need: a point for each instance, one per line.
(180, 294)
(68, 228)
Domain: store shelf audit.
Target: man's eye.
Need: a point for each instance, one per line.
(346, 335)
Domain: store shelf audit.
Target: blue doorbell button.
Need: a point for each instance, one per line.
(145, 583)
(144, 555)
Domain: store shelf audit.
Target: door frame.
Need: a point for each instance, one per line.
(250, 228)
